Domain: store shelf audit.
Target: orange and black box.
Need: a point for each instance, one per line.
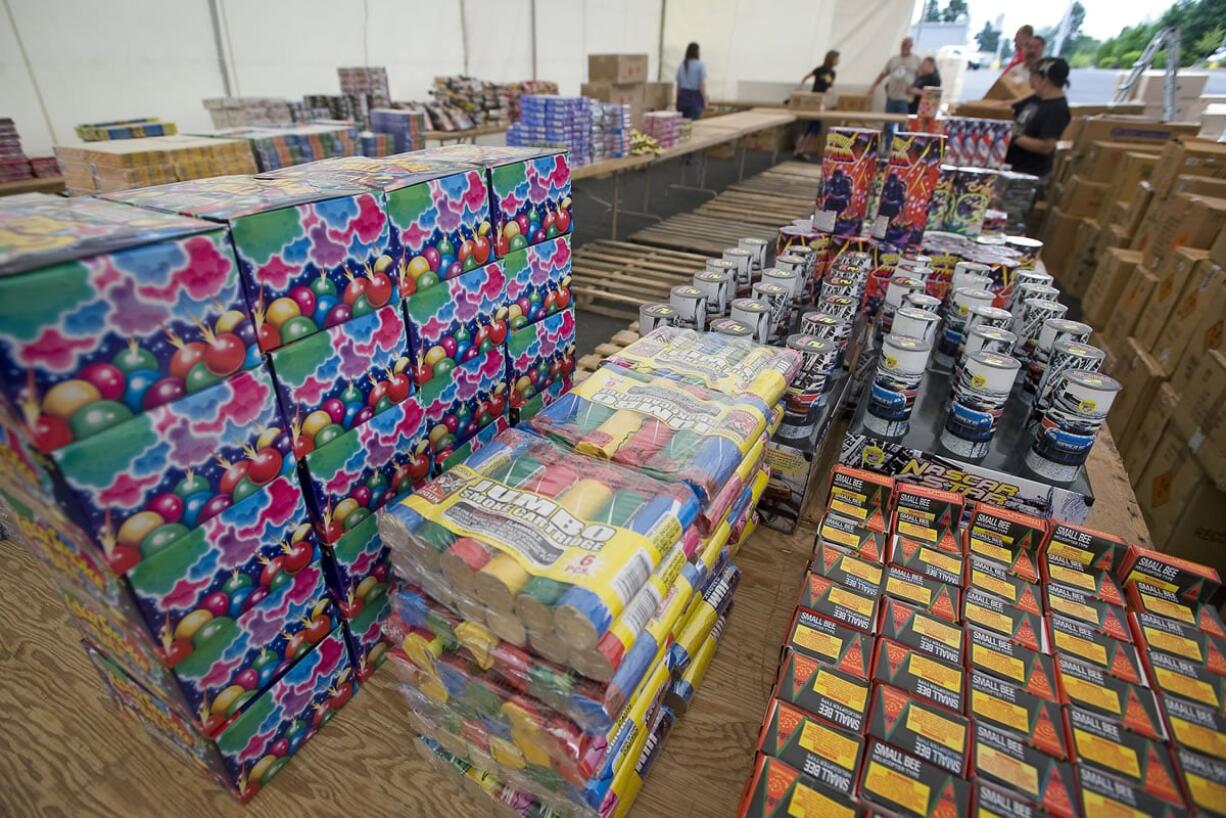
(823, 752)
(1011, 708)
(1003, 757)
(1196, 727)
(1094, 549)
(1157, 633)
(846, 568)
(1082, 606)
(1004, 658)
(919, 675)
(937, 565)
(994, 578)
(1100, 584)
(838, 602)
(866, 543)
(993, 613)
(846, 648)
(1151, 599)
(778, 790)
(1133, 706)
(937, 598)
(1102, 794)
(863, 496)
(1176, 676)
(1204, 779)
(1008, 537)
(924, 730)
(993, 801)
(839, 698)
(1189, 581)
(1102, 743)
(920, 631)
(1082, 641)
(907, 786)
(929, 516)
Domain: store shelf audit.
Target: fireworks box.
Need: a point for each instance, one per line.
(925, 731)
(929, 516)
(995, 614)
(1107, 795)
(838, 602)
(1204, 780)
(1098, 583)
(939, 566)
(1196, 727)
(994, 578)
(909, 786)
(1012, 708)
(937, 598)
(358, 570)
(1190, 581)
(896, 664)
(1081, 606)
(848, 165)
(1169, 636)
(910, 178)
(1176, 676)
(861, 495)
(1102, 743)
(1160, 602)
(1003, 757)
(824, 691)
(1086, 643)
(458, 320)
(844, 567)
(989, 801)
(1007, 537)
(538, 281)
(847, 649)
(1090, 689)
(777, 790)
(312, 256)
(828, 754)
(917, 630)
(539, 356)
(1032, 671)
(864, 542)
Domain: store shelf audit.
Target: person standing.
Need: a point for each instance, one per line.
(928, 77)
(823, 78)
(1040, 119)
(1020, 38)
(691, 84)
(899, 74)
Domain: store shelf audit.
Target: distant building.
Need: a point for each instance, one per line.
(929, 37)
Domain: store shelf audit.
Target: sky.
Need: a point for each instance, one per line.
(1104, 18)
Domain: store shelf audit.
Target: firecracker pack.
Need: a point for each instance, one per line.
(920, 631)
(910, 178)
(826, 753)
(919, 675)
(778, 790)
(824, 639)
(539, 356)
(1132, 705)
(996, 578)
(993, 801)
(1142, 596)
(843, 566)
(1204, 780)
(995, 614)
(358, 572)
(1103, 794)
(940, 599)
(848, 166)
(1085, 643)
(1003, 757)
(906, 785)
(1190, 581)
(861, 495)
(1010, 707)
(1100, 742)
(823, 690)
(924, 730)
(838, 602)
(843, 532)
(929, 516)
(1008, 537)
(1098, 583)
(1196, 727)
(702, 616)
(1157, 633)
(458, 320)
(936, 565)
(1081, 606)
(1175, 676)
(1003, 657)
(1094, 549)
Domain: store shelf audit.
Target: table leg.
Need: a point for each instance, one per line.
(740, 168)
(617, 192)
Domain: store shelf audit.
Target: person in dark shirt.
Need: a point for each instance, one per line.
(823, 78)
(928, 77)
(1039, 119)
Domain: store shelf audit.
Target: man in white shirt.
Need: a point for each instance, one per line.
(899, 75)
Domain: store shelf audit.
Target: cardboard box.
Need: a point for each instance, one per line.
(1183, 266)
(1125, 175)
(824, 691)
(864, 496)
(1103, 161)
(995, 578)
(1188, 156)
(1200, 416)
(937, 598)
(1203, 298)
(908, 786)
(632, 94)
(853, 102)
(1086, 643)
(1110, 277)
(1207, 334)
(1092, 689)
(617, 68)
(1012, 85)
(1140, 376)
(1009, 707)
(921, 729)
(1084, 259)
(1004, 757)
(1082, 197)
(1001, 534)
(1187, 220)
(1124, 129)
(1182, 505)
(807, 101)
(938, 566)
(1176, 676)
(1133, 216)
(1059, 237)
(1132, 301)
(659, 96)
(1199, 186)
(1149, 431)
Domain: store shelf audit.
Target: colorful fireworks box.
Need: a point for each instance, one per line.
(1142, 596)
(777, 789)
(843, 648)
(1189, 581)
(1007, 537)
(917, 630)
(863, 496)
(842, 566)
(848, 165)
(1012, 708)
(919, 675)
(923, 730)
(539, 356)
(981, 143)
(1106, 795)
(1099, 742)
(911, 175)
(928, 516)
(994, 578)
(1032, 671)
(826, 753)
(1130, 704)
(821, 689)
(910, 786)
(940, 599)
(995, 614)
(1003, 757)
(1086, 643)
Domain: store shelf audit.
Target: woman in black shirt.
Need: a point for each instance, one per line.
(823, 78)
(928, 77)
(1040, 118)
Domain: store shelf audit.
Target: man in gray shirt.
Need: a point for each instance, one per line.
(899, 75)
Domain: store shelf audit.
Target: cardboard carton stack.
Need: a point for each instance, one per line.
(104, 167)
(622, 79)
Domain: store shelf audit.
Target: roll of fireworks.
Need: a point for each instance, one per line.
(682, 691)
(941, 196)
(840, 285)
(732, 328)
(923, 301)
(916, 323)
(1026, 326)
(691, 306)
(756, 249)
(1053, 330)
(849, 164)
(715, 287)
(842, 307)
(810, 279)
(1066, 354)
(969, 201)
(895, 385)
(984, 315)
(1027, 249)
(895, 292)
(956, 315)
(827, 326)
(970, 274)
(656, 315)
(1023, 281)
(743, 260)
(988, 339)
(1024, 293)
(1080, 402)
(790, 276)
(756, 315)
(912, 171)
(807, 392)
(779, 298)
(994, 222)
(979, 398)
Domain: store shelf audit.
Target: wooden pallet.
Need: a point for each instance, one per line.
(756, 208)
(589, 363)
(614, 278)
(807, 170)
(708, 235)
(783, 185)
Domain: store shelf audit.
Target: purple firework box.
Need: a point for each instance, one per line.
(357, 568)
(457, 321)
(336, 380)
(311, 256)
(107, 311)
(260, 741)
(473, 396)
(530, 198)
(538, 356)
(538, 281)
(438, 211)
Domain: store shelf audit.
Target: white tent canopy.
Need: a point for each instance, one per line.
(63, 62)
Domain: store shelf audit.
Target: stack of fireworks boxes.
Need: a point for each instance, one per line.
(209, 388)
(563, 589)
(956, 661)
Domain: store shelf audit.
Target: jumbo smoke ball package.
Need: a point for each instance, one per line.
(848, 165)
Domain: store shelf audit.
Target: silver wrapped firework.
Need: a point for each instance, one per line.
(818, 360)
(691, 306)
(779, 298)
(900, 369)
(1065, 434)
(653, 316)
(1066, 354)
(756, 314)
(979, 397)
(1053, 330)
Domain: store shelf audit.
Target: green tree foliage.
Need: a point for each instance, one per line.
(1201, 23)
(932, 12)
(988, 39)
(953, 10)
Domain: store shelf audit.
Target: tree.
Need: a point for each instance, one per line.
(988, 39)
(1201, 23)
(932, 12)
(953, 10)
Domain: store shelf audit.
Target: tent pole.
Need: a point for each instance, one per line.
(532, 10)
(660, 44)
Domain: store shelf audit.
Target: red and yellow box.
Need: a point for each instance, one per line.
(1096, 550)
(1009, 707)
(937, 598)
(1082, 641)
(863, 496)
(924, 730)
(993, 613)
(1168, 636)
(1089, 688)
(1189, 581)
(1195, 727)
(929, 516)
(866, 543)
(912, 627)
(939, 566)
(777, 790)
(1204, 779)
(826, 753)
(995, 578)
(1003, 757)
(992, 801)
(1008, 537)
(1176, 676)
(1083, 607)
(908, 786)
(844, 567)
(1151, 599)
(1107, 795)
(918, 675)
(830, 694)
(845, 648)
(1099, 583)
(838, 602)
(1004, 658)
(1102, 743)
